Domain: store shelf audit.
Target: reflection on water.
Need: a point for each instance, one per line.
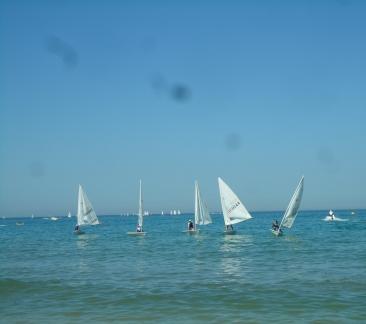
(234, 261)
(82, 241)
(233, 243)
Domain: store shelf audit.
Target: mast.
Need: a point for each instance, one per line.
(196, 204)
(141, 210)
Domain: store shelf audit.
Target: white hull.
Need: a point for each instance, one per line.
(230, 232)
(334, 219)
(191, 232)
(277, 233)
(136, 233)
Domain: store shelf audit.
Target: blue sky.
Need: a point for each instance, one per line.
(257, 92)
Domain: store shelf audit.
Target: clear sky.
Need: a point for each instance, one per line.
(104, 93)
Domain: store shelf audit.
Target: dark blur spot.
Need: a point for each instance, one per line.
(326, 157)
(158, 83)
(148, 44)
(180, 92)
(233, 142)
(36, 169)
(344, 2)
(63, 50)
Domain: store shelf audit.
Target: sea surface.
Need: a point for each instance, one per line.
(316, 273)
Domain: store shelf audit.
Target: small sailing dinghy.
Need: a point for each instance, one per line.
(86, 214)
(330, 217)
(233, 209)
(292, 209)
(201, 214)
(69, 215)
(140, 219)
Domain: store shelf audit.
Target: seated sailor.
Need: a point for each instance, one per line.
(190, 225)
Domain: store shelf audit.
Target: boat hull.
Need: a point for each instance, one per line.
(276, 233)
(79, 232)
(230, 232)
(191, 232)
(136, 233)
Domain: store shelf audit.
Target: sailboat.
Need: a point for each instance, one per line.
(292, 209)
(86, 214)
(330, 217)
(233, 209)
(140, 219)
(201, 214)
(69, 215)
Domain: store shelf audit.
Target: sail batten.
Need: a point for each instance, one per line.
(233, 209)
(86, 214)
(293, 207)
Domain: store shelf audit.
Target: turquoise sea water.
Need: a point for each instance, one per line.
(315, 273)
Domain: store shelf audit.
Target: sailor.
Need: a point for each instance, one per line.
(139, 228)
(77, 228)
(275, 225)
(331, 214)
(229, 228)
(190, 225)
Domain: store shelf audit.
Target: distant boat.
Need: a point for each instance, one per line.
(292, 209)
(233, 209)
(69, 215)
(32, 216)
(19, 223)
(331, 217)
(201, 214)
(178, 212)
(140, 218)
(162, 213)
(86, 214)
(53, 218)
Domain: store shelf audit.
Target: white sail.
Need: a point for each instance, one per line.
(293, 207)
(86, 214)
(201, 214)
(69, 215)
(141, 209)
(233, 209)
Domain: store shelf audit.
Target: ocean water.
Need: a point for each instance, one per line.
(316, 273)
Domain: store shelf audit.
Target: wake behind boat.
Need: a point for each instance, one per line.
(140, 219)
(233, 209)
(86, 214)
(291, 211)
(201, 214)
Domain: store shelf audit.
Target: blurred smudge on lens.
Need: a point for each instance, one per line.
(158, 83)
(148, 44)
(233, 142)
(326, 158)
(37, 169)
(63, 50)
(180, 92)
